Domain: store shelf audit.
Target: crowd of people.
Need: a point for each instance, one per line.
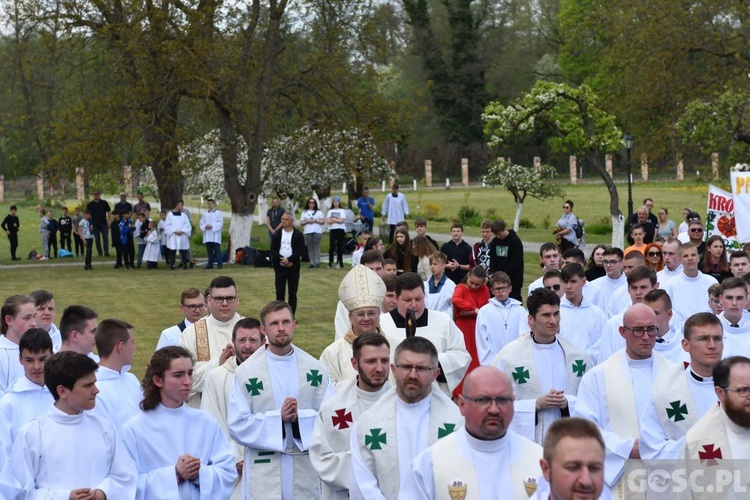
(441, 380)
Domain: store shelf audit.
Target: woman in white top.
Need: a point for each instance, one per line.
(337, 232)
(311, 220)
(566, 228)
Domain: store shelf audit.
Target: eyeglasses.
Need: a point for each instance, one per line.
(553, 287)
(421, 370)
(638, 331)
(499, 401)
(705, 339)
(566, 206)
(696, 230)
(654, 254)
(228, 300)
(501, 288)
(193, 307)
(742, 392)
(365, 314)
(611, 262)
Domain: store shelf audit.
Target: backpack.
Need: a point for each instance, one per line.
(579, 228)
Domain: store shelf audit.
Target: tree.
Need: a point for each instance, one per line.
(575, 122)
(522, 182)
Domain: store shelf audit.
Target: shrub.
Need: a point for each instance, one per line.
(526, 224)
(431, 210)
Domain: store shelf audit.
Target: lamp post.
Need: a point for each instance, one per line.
(629, 145)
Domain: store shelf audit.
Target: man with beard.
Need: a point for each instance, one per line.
(361, 291)
(406, 420)
(485, 456)
(209, 340)
(330, 451)
(246, 339)
(44, 302)
(273, 405)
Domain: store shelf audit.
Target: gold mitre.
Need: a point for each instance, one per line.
(361, 287)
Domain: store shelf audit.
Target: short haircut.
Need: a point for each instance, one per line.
(723, 369)
(420, 221)
(160, 362)
(730, 283)
(222, 282)
(552, 273)
(11, 307)
(373, 339)
(74, 318)
(13, 207)
(497, 226)
(457, 225)
(109, 333)
(211, 200)
(247, 324)
(395, 185)
(65, 369)
(389, 261)
(635, 227)
(540, 297)
(738, 254)
(570, 271)
(573, 427)
(439, 257)
(486, 224)
(646, 200)
(574, 253)
(419, 345)
(546, 247)
(273, 306)
(409, 281)
(642, 273)
(613, 251)
(35, 341)
(658, 295)
(189, 293)
(41, 297)
(635, 255)
(687, 246)
(499, 277)
(671, 241)
(698, 320)
(371, 256)
(715, 289)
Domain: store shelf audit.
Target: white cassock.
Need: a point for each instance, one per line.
(612, 341)
(341, 321)
(441, 300)
(535, 369)
(497, 324)
(439, 329)
(11, 368)
(178, 222)
(277, 464)
(219, 335)
(57, 453)
(490, 470)
(689, 295)
(152, 253)
(337, 359)
(581, 325)
(665, 275)
(395, 208)
(56, 337)
(736, 338)
(216, 220)
(119, 395)
(669, 345)
(608, 397)
(172, 335)
(619, 301)
(215, 401)
(330, 451)
(607, 287)
(23, 401)
(157, 438)
(388, 436)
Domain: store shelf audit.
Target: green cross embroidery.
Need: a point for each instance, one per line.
(374, 439)
(315, 378)
(520, 375)
(254, 386)
(579, 367)
(445, 430)
(676, 411)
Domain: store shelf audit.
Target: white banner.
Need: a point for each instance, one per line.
(720, 218)
(741, 196)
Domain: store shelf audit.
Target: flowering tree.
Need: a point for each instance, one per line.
(576, 122)
(523, 182)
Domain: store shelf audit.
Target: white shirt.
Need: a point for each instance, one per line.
(119, 395)
(285, 250)
(171, 335)
(581, 325)
(215, 219)
(607, 287)
(689, 295)
(23, 401)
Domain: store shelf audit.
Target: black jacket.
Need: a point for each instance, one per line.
(298, 248)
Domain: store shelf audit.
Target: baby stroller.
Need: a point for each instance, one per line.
(355, 226)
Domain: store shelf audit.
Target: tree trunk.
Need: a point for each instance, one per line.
(160, 143)
(240, 230)
(618, 231)
(517, 221)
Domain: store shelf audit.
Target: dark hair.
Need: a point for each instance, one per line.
(636, 226)
(390, 281)
(591, 264)
(247, 324)
(700, 319)
(475, 272)
(573, 427)
(389, 261)
(65, 369)
(497, 226)
(409, 281)
(723, 369)
(373, 339)
(109, 333)
(540, 297)
(642, 273)
(74, 318)
(35, 340)
(500, 277)
(160, 362)
(570, 271)
(13, 207)
(420, 221)
(723, 264)
(635, 255)
(189, 293)
(658, 295)
(738, 254)
(614, 251)
(552, 273)
(41, 297)
(394, 248)
(730, 283)
(419, 345)
(569, 202)
(11, 307)
(421, 247)
(574, 253)
(371, 256)
(457, 225)
(222, 282)
(546, 247)
(370, 244)
(273, 306)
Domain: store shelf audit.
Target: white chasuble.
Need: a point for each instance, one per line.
(277, 464)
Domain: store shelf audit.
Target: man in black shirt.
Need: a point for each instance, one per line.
(99, 210)
(10, 225)
(123, 205)
(460, 254)
(506, 254)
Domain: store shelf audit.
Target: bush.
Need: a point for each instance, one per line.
(491, 214)
(525, 223)
(547, 222)
(468, 216)
(602, 228)
(431, 210)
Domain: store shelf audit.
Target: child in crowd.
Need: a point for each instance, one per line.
(161, 227)
(44, 232)
(152, 251)
(52, 229)
(127, 228)
(141, 230)
(439, 288)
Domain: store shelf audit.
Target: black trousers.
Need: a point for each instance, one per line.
(79, 244)
(13, 238)
(53, 244)
(102, 230)
(336, 242)
(287, 276)
(65, 241)
(89, 245)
